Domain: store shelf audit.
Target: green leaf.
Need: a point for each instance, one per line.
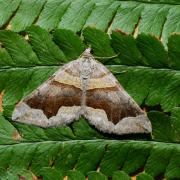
(162, 1)
(96, 176)
(52, 13)
(127, 17)
(69, 42)
(162, 127)
(153, 51)
(125, 46)
(22, 78)
(172, 171)
(137, 158)
(171, 95)
(6, 10)
(43, 156)
(25, 174)
(160, 155)
(74, 175)
(8, 132)
(49, 173)
(158, 86)
(25, 17)
(76, 15)
(9, 175)
(172, 23)
(144, 176)
(153, 18)
(20, 51)
(21, 82)
(144, 84)
(174, 52)
(95, 151)
(120, 175)
(31, 133)
(147, 70)
(136, 81)
(150, 86)
(68, 156)
(60, 133)
(17, 91)
(156, 17)
(64, 156)
(82, 130)
(114, 158)
(46, 50)
(5, 58)
(102, 15)
(100, 43)
(175, 121)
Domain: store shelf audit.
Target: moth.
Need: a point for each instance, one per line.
(83, 87)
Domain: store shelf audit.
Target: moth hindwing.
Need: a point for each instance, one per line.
(83, 87)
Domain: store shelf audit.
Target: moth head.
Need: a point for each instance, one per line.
(87, 54)
(88, 50)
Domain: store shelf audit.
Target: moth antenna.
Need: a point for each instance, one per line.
(88, 50)
(114, 72)
(110, 57)
(61, 64)
(86, 53)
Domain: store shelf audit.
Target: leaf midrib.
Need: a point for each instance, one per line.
(110, 67)
(149, 2)
(105, 141)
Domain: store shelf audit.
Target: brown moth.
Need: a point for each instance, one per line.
(83, 87)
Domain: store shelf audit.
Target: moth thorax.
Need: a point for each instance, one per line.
(86, 71)
(86, 68)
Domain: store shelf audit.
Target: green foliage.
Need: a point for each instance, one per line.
(49, 173)
(25, 17)
(162, 124)
(156, 17)
(73, 175)
(138, 42)
(175, 121)
(52, 13)
(7, 8)
(76, 15)
(46, 50)
(100, 43)
(20, 51)
(69, 42)
(147, 84)
(58, 158)
(144, 176)
(142, 83)
(120, 175)
(96, 176)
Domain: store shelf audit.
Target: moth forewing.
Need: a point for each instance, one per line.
(83, 87)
